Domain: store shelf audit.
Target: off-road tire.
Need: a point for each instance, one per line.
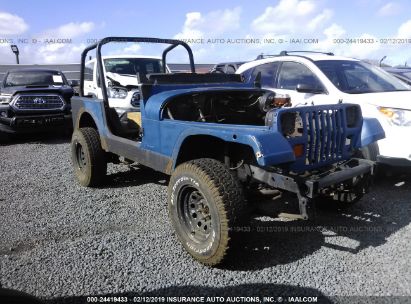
(370, 152)
(222, 206)
(88, 157)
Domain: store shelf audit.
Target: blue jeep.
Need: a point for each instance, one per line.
(219, 139)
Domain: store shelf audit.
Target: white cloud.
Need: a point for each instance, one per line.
(404, 31)
(12, 24)
(362, 51)
(291, 16)
(211, 24)
(69, 30)
(132, 49)
(45, 54)
(389, 9)
(320, 19)
(191, 27)
(55, 53)
(334, 31)
(120, 49)
(355, 50)
(59, 52)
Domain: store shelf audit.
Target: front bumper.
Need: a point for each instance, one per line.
(307, 188)
(34, 123)
(311, 186)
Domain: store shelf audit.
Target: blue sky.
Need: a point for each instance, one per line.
(329, 22)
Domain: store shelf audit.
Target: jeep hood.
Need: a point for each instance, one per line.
(398, 99)
(161, 94)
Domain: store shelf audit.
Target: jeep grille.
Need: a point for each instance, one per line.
(329, 133)
(326, 137)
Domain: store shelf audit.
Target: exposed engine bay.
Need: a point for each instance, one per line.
(228, 107)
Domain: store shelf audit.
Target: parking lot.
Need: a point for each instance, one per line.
(59, 240)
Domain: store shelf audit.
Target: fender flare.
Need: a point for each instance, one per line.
(371, 131)
(266, 154)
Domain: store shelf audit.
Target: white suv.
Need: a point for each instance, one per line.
(322, 78)
(123, 75)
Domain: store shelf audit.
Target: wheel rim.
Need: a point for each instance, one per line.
(195, 214)
(80, 156)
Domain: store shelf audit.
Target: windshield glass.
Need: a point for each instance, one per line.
(25, 78)
(133, 66)
(356, 77)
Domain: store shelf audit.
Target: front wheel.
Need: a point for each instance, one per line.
(88, 157)
(370, 152)
(205, 202)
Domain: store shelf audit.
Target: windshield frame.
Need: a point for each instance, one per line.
(373, 77)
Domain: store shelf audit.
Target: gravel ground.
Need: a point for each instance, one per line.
(59, 241)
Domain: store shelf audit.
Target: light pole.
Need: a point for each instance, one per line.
(382, 59)
(16, 52)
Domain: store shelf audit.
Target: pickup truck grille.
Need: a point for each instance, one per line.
(328, 134)
(38, 102)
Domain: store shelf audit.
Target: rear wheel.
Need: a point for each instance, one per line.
(88, 157)
(205, 202)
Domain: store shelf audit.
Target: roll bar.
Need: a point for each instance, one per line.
(173, 43)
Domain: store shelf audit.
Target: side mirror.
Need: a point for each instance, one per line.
(74, 83)
(308, 88)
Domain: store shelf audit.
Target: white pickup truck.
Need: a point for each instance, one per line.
(123, 74)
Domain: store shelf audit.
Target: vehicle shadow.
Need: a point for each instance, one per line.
(267, 241)
(48, 138)
(274, 293)
(136, 175)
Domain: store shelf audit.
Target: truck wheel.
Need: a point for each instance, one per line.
(90, 166)
(205, 202)
(370, 152)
